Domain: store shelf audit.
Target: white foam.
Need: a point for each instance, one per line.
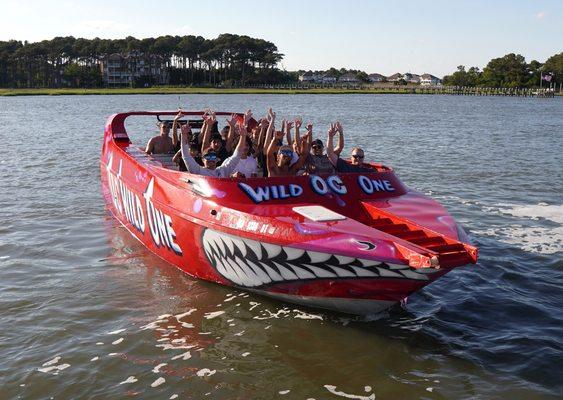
(184, 356)
(332, 389)
(303, 315)
(117, 341)
(245, 354)
(211, 315)
(156, 369)
(429, 389)
(158, 382)
(542, 210)
(54, 369)
(206, 372)
(95, 358)
(240, 333)
(52, 362)
(185, 314)
(174, 396)
(254, 304)
(284, 391)
(131, 379)
(117, 332)
(536, 238)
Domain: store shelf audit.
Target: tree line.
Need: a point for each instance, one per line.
(510, 71)
(191, 60)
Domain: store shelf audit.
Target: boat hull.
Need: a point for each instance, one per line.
(216, 231)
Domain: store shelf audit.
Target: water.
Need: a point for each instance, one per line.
(86, 312)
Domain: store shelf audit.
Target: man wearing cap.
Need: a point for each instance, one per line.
(161, 144)
(317, 162)
(211, 158)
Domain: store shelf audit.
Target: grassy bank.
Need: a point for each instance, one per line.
(192, 90)
(196, 90)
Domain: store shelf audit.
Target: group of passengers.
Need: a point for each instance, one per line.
(249, 148)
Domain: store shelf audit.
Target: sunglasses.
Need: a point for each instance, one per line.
(357, 156)
(288, 153)
(210, 157)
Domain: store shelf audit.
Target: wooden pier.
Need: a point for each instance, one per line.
(412, 89)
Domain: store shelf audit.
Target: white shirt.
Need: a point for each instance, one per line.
(224, 171)
(247, 166)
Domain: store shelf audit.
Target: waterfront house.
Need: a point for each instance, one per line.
(429, 80)
(327, 79)
(395, 77)
(411, 78)
(348, 78)
(308, 77)
(373, 78)
(134, 68)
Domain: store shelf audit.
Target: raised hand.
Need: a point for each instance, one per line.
(298, 122)
(247, 117)
(289, 125)
(338, 127)
(186, 133)
(309, 128)
(232, 121)
(179, 115)
(279, 135)
(332, 130)
(271, 114)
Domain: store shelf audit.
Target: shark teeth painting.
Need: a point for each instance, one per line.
(252, 264)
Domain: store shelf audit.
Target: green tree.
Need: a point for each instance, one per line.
(508, 71)
(554, 65)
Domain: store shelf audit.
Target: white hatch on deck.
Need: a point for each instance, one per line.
(318, 213)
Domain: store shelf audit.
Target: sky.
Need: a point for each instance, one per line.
(431, 36)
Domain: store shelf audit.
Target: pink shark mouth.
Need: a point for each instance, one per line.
(253, 264)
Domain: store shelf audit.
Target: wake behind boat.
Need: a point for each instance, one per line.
(351, 242)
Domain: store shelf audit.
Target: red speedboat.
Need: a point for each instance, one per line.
(355, 243)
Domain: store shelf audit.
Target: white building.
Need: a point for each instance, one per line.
(429, 80)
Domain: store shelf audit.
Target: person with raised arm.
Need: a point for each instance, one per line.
(317, 162)
(356, 163)
(175, 123)
(211, 158)
(279, 156)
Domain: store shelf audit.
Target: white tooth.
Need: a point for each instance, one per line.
(369, 263)
(398, 266)
(341, 272)
(343, 260)
(264, 278)
(206, 245)
(220, 245)
(273, 274)
(239, 243)
(321, 272)
(228, 239)
(257, 279)
(317, 257)
(302, 273)
(363, 272)
(255, 246)
(285, 273)
(228, 271)
(413, 275)
(272, 249)
(387, 273)
(245, 275)
(293, 253)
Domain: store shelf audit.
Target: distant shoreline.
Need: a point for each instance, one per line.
(203, 90)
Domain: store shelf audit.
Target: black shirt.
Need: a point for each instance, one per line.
(343, 166)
